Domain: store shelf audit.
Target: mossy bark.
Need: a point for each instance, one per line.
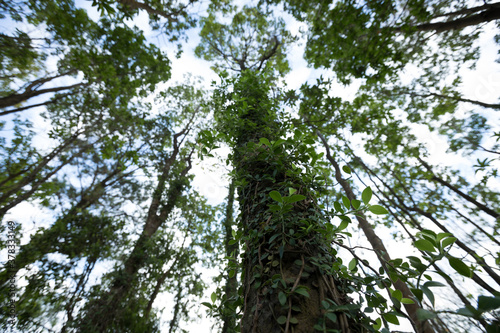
(288, 280)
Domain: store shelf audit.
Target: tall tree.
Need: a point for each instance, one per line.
(289, 278)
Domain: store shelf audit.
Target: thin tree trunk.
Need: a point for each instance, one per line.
(487, 234)
(162, 279)
(229, 322)
(80, 286)
(431, 94)
(157, 289)
(174, 323)
(103, 312)
(10, 190)
(401, 205)
(42, 244)
(467, 197)
(378, 246)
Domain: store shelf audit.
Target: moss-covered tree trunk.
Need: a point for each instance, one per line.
(289, 282)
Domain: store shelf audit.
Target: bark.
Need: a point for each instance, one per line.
(34, 183)
(51, 101)
(490, 14)
(104, 312)
(231, 287)
(42, 244)
(400, 203)
(32, 91)
(272, 256)
(467, 197)
(10, 190)
(378, 246)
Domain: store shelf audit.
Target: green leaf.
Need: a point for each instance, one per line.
(448, 241)
(265, 141)
(434, 284)
(423, 314)
(378, 324)
(302, 291)
(460, 266)
(342, 225)
(208, 305)
(397, 294)
(213, 297)
(418, 293)
(291, 191)
(352, 264)
(276, 196)
(346, 169)
(442, 235)
(274, 208)
(407, 301)
(424, 245)
(294, 198)
(338, 207)
(366, 195)
(278, 143)
(332, 316)
(356, 203)
(466, 312)
(282, 298)
(428, 293)
(391, 318)
(377, 209)
(281, 320)
(346, 202)
(294, 320)
(487, 303)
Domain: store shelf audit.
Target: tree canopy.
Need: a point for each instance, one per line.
(374, 211)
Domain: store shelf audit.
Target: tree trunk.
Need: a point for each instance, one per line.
(397, 201)
(104, 312)
(289, 283)
(467, 197)
(31, 90)
(44, 243)
(492, 13)
(231, 287)
(378, 246)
